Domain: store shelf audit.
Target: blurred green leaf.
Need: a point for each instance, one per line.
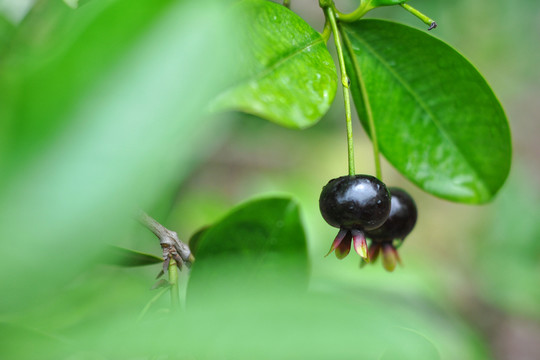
(103, 110)
(285, 73)
(99, 318)
(265, 238)
(14, 340)
(116, 255)
(57, 56)
(419, 347)
(195, 239)
(6, 32)
(248, 325)
(437, 120)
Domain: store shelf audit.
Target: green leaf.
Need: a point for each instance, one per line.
(115, 255)
(50, 72)
(16, 336)
(6, 32)
(437, 120)
(285, 73)
(195, 240)
(261, 241)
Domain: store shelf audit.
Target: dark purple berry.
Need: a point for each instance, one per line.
(400, 222)
(354, 204)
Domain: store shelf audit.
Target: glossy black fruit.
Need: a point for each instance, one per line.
(355, 202)
(400, 222)
(390, 235)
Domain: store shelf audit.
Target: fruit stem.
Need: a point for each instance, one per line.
(358, 13)
(327, 30)
(426, 20)
(173, 280)
(367, 106)
(331, 17)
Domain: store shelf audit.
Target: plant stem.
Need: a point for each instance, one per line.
(359, 12)
(327, 30)
(426, 20)
(367, 106)
(331, 17)
(167, 237)
(173, 279)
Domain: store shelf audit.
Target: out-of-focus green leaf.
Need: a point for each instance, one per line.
(115, 255)
(6, 32)
(103, 108)
(195, 240)
(423, 347)
(285, 73)
(248, 325)
(437, 120)
(266, 240)
(14, 340)
(56, 57)
(97, 312)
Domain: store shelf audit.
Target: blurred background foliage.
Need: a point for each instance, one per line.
(101, 113)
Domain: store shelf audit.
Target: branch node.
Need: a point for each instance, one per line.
(171, 244)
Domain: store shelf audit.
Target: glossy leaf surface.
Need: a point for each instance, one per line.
(285, 73)
(437, 120)
(258, 242)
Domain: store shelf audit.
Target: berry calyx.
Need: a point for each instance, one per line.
(354, 204)
(390, 235)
